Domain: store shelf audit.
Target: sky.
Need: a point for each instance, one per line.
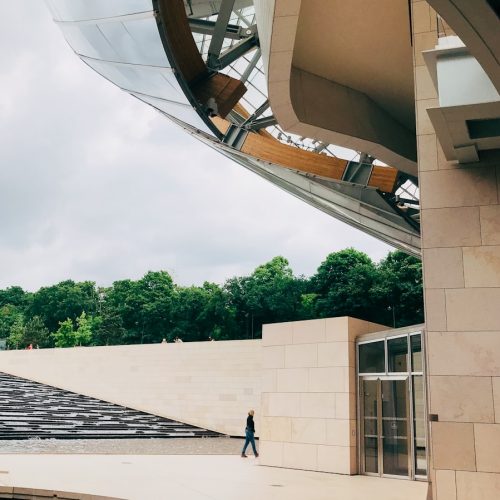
(95, 185)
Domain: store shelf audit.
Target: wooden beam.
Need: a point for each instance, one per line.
(225, 91)
(383, 178)
(204, 85)
(274, 151)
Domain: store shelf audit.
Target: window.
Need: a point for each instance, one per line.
(372, 357)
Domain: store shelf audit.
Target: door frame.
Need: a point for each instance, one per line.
(384, 336)
(380, 447)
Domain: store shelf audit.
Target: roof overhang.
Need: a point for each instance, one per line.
(340, 76)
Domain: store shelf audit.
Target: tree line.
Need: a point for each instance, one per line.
(154, 308)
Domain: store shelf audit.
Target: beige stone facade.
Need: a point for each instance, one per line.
(461, 261)
(309, 394)
(208, 384)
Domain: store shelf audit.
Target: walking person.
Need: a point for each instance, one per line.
(249, 435)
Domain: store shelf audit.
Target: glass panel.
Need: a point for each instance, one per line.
(397, 353)
(372, 357)
(77, 10)
(370, 431)
(395, 427)
(87, 40)
(156, 82)
(136, 41)
(185, 113)
(419, 426)
(371, 455)
(416, 353)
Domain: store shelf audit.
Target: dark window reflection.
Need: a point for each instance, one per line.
(372, 357)
(397, 352)
(416, 353)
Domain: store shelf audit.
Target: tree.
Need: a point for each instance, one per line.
(67, 299)
(83, 334)
(65, 336)
(36, 333)
(343, 285)
(270, 294)
(9, 314)
(108, 328)
(16, 336)
(398, 293)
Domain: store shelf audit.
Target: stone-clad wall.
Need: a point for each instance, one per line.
(461, 262)
(309, 394)
(207, 384)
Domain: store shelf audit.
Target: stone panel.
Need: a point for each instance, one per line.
(292, 380)
(308, 332)
(443, 268)
(308, 430)
(477, 486)
(473, 309)
(273, 357)
(453, 446)
(496, 398)
(421, 15)
(487, 438)
(445, 485)
(341, 432)
(482, 266)
(317, 405)
(464, 353)
(336, 354)
(283, 405)
(300, 456)
(462, 399)
(441, 228)
(271, 453)
(276, 334)
(459, 188)
(276, 429)
(269, 380)
(299, 356)
(336, 329)
(435, 310)
(345, 405)
(328, 379)
(490, 224)
(337, 459)
(427, 152)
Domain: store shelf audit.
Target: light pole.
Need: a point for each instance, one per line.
(393, 309)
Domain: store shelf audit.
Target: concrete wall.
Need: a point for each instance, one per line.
(208, 384)
(309, 394)
(461, 260)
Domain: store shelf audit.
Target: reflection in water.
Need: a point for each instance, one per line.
(171, 446)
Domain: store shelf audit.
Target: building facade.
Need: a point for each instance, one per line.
(281, 86)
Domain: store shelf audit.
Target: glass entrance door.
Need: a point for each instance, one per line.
(385, 421)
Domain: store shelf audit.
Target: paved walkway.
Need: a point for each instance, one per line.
(194, 477)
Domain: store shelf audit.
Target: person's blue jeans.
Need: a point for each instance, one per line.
(249, 439)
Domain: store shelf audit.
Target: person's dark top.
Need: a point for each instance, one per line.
(250, 424)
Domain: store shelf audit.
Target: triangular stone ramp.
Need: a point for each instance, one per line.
(32, 410)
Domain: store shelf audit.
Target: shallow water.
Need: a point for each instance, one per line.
(172, 446)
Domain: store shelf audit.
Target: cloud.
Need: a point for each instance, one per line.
(96, 185)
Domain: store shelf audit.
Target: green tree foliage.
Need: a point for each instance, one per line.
(398, 292)
(16, 335)
(65, 336)
(67, 299)
(36, 333)
(343, 283)
(149, 309)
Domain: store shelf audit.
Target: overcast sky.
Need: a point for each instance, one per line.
(94, 185)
